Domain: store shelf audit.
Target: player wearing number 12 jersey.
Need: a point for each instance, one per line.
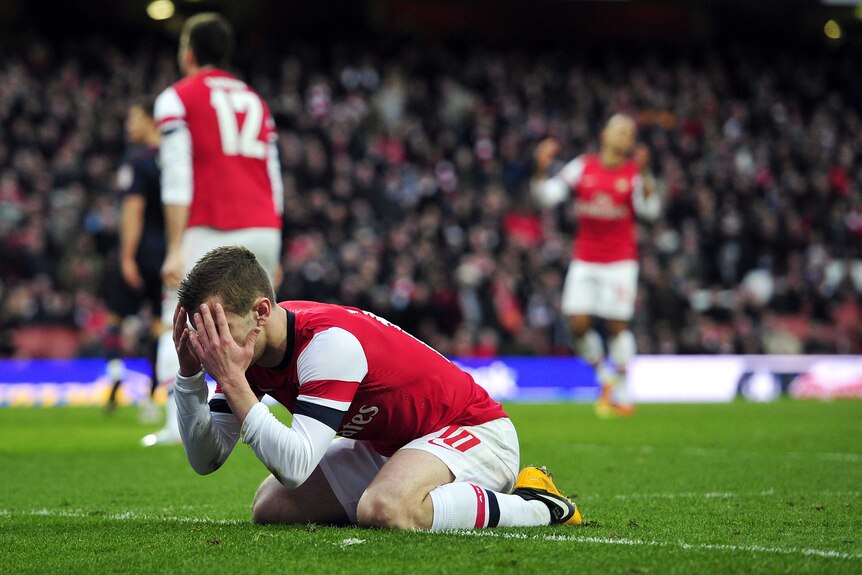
(420, 445)
(221, 177)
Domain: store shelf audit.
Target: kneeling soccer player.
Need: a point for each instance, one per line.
(421, 445)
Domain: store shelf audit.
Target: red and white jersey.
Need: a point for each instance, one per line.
(218, 153)
(604, 207)
(368, 379)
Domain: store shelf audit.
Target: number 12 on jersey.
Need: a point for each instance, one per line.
(239, 140)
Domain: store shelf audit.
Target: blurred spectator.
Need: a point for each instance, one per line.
(406, 190)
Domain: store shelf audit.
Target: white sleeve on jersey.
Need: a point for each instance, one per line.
(290, 453)
(646, 208)
(175, 150)
(273, 168)
(332, 354)
(208, 438)
(335, 359)
(552, 191)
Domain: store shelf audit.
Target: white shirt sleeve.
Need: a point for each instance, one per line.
(290, 453)
(273, 168)
(646, 208)
(552, 191)
(334, 357)
(208, 438)
(175, 149)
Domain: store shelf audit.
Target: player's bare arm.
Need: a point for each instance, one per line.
(546, 153)
(223, 358)
(549, 192)
(642, 158)
(176, 217)
(131, 229)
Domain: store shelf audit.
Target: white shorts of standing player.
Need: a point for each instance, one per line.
(265, 243)
(608, 291)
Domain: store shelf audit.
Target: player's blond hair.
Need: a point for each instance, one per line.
(231, 273)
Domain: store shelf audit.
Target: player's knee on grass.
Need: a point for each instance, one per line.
(387, 510)
(264, 505)
(273, 504)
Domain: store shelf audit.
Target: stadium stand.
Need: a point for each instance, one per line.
(406, 191)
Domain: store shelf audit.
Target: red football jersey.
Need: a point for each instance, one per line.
(228, 173)
(368, 379)
(603, 206)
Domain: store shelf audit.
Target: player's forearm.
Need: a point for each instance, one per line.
(176, 218)
(239, 396)
(131, 226)
(207, 440)
(290, 453)
(648, 183)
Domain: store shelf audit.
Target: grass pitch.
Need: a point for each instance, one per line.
(738, 488)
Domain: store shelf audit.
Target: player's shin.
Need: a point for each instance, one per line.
(589, 347)
(622, 349)
(464, 505)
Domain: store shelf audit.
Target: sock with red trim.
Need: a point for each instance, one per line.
(464, 505)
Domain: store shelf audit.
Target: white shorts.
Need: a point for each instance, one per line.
(603, 290)
(487, 455)
(264, 243)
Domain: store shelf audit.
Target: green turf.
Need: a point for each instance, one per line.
(739, 488)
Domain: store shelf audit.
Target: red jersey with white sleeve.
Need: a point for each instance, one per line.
(604, 208)
(367, 379)
(218, 152)
(345, 372)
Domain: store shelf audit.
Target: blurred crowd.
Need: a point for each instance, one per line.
(406, 176)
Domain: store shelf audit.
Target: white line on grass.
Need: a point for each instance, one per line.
(825, 553)
(726, 495)
(722, 452)
(129, 515)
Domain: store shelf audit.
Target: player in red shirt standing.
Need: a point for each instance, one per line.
(221, 177)
(609, 190)
(420, 445)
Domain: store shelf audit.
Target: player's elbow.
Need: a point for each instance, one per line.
(292, 481)
(204, 466)
(204, 469)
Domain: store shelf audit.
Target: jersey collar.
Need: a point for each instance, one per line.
(291, 341)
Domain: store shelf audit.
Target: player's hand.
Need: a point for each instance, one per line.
(546, 151)
(223, 358)
(189, 363)
(131, 273)
(641, 156)
(172, 269)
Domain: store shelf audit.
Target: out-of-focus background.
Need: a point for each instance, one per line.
(407, 130)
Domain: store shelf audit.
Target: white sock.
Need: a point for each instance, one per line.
(464, 505)
(589, 347)
(622, 349)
